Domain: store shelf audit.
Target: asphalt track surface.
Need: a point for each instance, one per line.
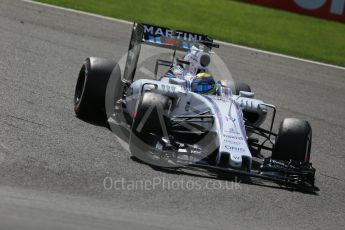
(52, 165)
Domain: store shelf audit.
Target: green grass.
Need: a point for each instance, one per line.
(232, 21)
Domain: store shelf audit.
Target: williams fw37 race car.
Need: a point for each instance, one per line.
(187, 119)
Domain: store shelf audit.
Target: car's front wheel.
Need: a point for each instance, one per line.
(293, 141)
(149, 126)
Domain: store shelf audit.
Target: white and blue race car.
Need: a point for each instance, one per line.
(185, 118)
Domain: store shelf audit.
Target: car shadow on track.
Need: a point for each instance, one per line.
(207, 174)
(96, 121)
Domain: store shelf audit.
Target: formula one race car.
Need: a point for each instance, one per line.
(185, 118)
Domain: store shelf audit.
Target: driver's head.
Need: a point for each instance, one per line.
(203, 83)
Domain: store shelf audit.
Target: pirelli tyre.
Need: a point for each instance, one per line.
(293, 141)
(148, 128)
(89, 97)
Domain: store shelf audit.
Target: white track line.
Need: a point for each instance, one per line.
(220, 42)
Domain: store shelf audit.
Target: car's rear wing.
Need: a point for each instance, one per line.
(168, 38)
(160, 37)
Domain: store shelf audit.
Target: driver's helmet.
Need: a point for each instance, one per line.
(203, 83)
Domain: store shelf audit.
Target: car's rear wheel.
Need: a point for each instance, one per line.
(293, 141)
(90, 91)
